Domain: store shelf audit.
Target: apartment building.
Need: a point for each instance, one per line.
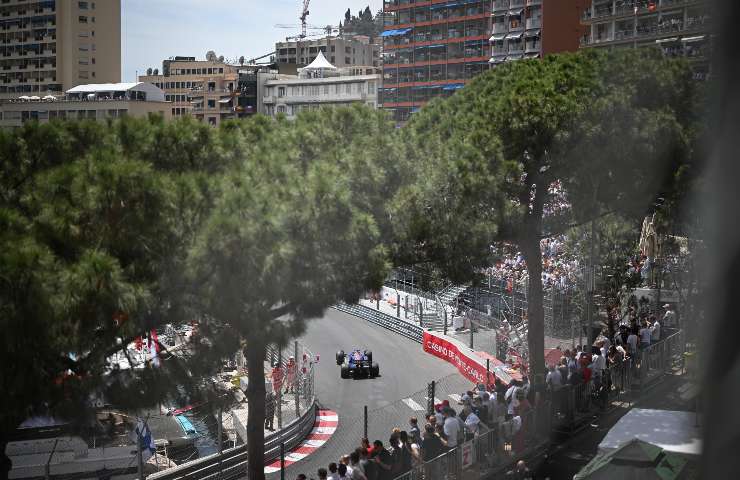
(340, 51)
(202, 88)
(534, 28)
(92, 101)
(431, 49)
(320, 84)
(50, 46)
(678, 27)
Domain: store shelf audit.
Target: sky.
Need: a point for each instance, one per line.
(154, 30)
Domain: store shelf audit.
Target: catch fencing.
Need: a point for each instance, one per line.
(295, 413)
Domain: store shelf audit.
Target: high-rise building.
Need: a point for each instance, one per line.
(433, 48)
(203, 88)
(534, 28)
(340, 51)
(678, 27)
(50, 46)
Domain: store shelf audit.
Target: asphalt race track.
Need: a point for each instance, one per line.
(404, 369)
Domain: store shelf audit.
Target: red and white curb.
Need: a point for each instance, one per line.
(323, 428)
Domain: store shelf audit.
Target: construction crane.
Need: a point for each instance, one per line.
(315, 29)
(304, 15)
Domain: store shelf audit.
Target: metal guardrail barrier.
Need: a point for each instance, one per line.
(232, 463)
(408, 330)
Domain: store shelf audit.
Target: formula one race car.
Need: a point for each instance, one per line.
(357, 363)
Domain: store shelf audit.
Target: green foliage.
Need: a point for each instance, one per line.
(610, 127)
(96, 223)
(364, 23)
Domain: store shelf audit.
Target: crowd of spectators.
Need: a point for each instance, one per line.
(559, 269)
(507, 407)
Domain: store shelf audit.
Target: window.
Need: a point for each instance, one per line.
(212, 121)
(82, 19)
(281, 109)
(348, 89)
(346, 60)
(211, 103)
(220, 70)
(82, 5)
(281, 92)
(326, 89)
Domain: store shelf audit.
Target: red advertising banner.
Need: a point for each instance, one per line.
(449, 352)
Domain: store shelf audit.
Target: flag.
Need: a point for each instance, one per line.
(154, 347)
(147, 440)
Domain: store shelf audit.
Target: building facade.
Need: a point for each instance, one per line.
(50, 46)
(202, 88)
(340, 51)
(678, 27)
(534, 28)
(93, 101)
(320, 84)
(431, 49)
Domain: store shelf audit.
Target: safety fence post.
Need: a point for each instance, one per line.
(406, 310)
(398, 305)
(444, 328)
(296, 385)
(282, 460)
(421, 315)
(364, 422)
(430, 397)
(280, 387)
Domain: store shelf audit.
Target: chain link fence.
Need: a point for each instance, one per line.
(293, 389)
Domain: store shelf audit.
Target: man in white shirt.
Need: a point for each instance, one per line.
(644, 336)
(632, 341)
(554, 379)
(510, 397)
(598, 364)
(655, 331)
(451, 427)
(669, 317)
(472, 422)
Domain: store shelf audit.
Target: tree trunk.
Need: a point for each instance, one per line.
(5, 462)
(535, 311)
(255, 354)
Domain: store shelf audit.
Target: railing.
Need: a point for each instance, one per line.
(299, 418)
(232, 463)
(386, 321)
(535, 22)
(500, 5)
(492, 451)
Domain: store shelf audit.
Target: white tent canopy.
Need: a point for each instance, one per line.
(673, 431)
(152, 92)
(320, 63)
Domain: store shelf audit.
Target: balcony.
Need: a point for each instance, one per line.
(500, 28)
(533, 2)
(535, 22)
(533, 47)
(516, 48)
(500, 5)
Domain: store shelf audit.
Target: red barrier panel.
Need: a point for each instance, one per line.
(449, 352)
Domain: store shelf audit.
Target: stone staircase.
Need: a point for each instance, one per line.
(434, 318)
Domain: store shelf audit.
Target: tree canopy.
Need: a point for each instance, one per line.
(603, 131)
